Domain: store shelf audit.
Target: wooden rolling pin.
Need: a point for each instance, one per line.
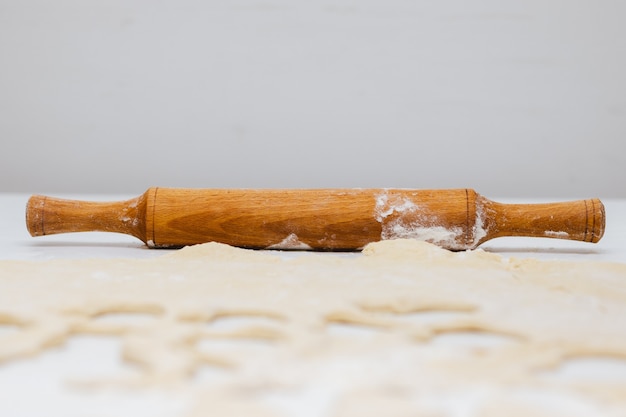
(320, 219)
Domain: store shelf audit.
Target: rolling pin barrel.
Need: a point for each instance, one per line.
(321, 219)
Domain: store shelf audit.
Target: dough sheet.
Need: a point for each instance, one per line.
(403, 329)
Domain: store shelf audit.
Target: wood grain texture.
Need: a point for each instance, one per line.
(48, 216)
(317, 219)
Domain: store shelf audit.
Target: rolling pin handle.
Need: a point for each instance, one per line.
(48, 216)
(581, 220)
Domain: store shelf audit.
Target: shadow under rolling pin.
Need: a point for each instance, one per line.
(316, 219)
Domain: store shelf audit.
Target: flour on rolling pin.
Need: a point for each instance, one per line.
(316, 219)
(291, 242)
(427, 227)
(558, 235)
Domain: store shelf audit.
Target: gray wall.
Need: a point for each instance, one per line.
(512, 98)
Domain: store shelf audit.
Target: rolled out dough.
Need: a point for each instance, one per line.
(405, 329)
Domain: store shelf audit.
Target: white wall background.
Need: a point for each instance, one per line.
(512, 98)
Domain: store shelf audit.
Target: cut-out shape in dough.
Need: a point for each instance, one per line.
(225, 322)
(592, 368)
(419, 314)
(211, 374)
(8, 329)
(472, 339)
(235, 346)
(428, 317)
(352, 330)
(103, 354)
(125, 318)
(357, 319)
(9, 325)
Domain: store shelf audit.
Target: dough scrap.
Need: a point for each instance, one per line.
(405, 327)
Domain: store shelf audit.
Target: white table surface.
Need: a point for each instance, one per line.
(44, 376)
